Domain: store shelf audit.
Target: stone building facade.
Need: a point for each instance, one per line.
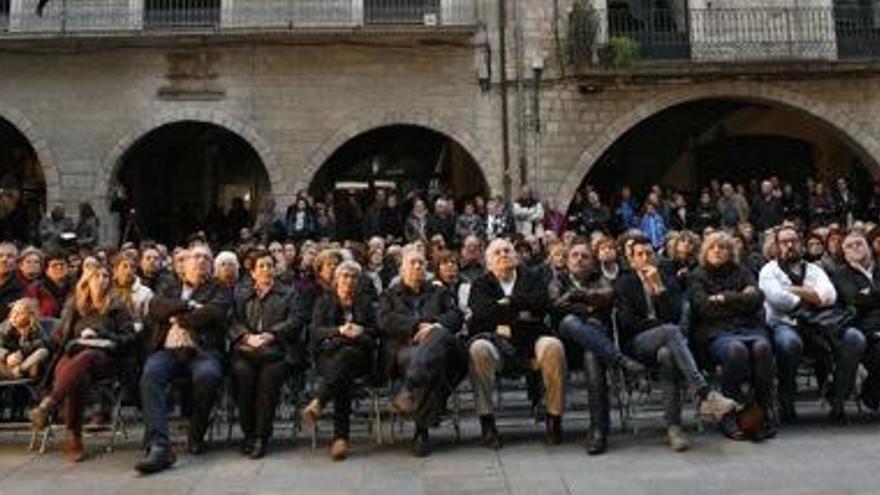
(298, 88)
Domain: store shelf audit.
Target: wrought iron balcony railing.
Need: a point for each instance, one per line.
(620, 37)
(109, 17)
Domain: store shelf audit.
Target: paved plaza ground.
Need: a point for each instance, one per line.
(812, 458)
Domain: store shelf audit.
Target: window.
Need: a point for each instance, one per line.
(181, 13)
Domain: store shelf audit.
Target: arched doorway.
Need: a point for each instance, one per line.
(407, 158)
(22, 186)
(687, 145)
(188, 176)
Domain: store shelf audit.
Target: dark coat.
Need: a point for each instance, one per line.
(115, 325)
(207, 323)
(329, 315)
(401, 311)
(529, 304)
(738, 312)
(10, 291)
(274, 313)
(632, 306)
(593, 300)
(858, 292)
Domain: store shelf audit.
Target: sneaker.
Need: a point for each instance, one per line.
(716, 406)
(339, 449)
(678, 441)
(310, 414)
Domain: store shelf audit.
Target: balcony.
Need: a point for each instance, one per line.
(108, 18)
(622, 40)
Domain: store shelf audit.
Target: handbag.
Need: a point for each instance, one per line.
(827, 322)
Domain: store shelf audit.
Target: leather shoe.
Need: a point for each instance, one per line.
(554, 429)
(489, 436)
(339, 449)
(597, 443)
(157, 460)
(258, 450)
(421, 446)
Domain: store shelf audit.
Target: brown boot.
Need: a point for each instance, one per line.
(72, 448)
(339, 449)
(41, 415)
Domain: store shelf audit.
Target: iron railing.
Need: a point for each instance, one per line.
(126, 16)
(731, 35)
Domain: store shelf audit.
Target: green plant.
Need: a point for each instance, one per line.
(625, 51)
(583, 28)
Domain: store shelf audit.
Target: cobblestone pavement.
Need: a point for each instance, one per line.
(812, 458)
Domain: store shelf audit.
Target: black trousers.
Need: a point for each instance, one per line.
(431, 370)
(257, 390)
(339, 368)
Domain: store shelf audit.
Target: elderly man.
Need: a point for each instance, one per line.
(793, 289)
(419, 321)
(857, 284)
(188, 340)
(508, 334)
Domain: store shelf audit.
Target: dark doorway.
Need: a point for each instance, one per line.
(183, 177)
(22, 186)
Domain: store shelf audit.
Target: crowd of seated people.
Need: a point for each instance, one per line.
(718, 309)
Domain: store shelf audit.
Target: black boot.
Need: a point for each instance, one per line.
(259, 448)
(195, 443)
(158, 459)
(421, 446)
(597, 442)
(554, 429)
(247, 445)
(489, 436)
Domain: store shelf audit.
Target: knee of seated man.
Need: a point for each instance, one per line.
(481, 350)
(664, 357)
(549, 347)
(854, 341)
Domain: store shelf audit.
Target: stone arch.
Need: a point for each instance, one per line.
(427, 120)
(41, 147)
(107, 172)
(853, 131)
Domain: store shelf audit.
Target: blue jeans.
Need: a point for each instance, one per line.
(788, 348)
(746, 358)
(646, 344)
(590, 337)
(205, 371)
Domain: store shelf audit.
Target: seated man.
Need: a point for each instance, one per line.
(418, 321)
(649, 309)
(508, 304)
(582, 299)
(856, 284)
(188, 339)
(792, 289)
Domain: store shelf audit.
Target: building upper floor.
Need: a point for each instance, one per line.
(20, 19)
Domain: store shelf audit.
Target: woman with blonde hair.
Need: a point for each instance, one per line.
(23, 350)
(728, 328)
(95, 331)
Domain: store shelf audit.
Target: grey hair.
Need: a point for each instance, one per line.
(347, 266)
(493, 247)
(223, 257)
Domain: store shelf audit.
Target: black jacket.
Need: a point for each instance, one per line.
(632, 306)
(858, 292)
(402, 310)
(207, 323)
(529, 304)
(10, 291)
(739, 311)
(274, 313)
(591, 301)
(329, 315)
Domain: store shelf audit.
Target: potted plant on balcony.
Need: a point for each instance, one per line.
(624, 51)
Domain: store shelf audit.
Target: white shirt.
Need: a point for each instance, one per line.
(779, 302)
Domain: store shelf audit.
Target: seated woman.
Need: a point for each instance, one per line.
(728, 328)
(24, 352)
(344, 333)
(95, 333)
(260, 333)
